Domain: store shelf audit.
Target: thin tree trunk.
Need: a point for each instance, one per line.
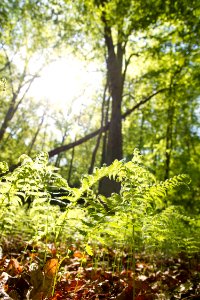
(105, 137)
(44, 137)
(141, 132)
(94, 153)
(104, 146)
(36, 134)
(71, 165)
(57, 163)
(14, 104)
(169, 141)
(9, 115)
(13, 107)
(169, 130)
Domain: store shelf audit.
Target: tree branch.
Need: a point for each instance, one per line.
(102, 129)
(78, 142)
(129, 111)
(94, 133)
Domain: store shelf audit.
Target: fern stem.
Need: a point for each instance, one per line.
(133, 258)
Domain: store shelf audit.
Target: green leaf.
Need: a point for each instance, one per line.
(89, 250)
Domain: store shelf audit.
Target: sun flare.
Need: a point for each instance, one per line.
(67, 81)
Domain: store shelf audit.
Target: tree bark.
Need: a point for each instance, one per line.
(114, 68)
(115, 83)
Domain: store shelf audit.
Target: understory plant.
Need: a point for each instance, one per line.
(137, 219)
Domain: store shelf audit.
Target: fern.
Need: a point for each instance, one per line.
(138, 217)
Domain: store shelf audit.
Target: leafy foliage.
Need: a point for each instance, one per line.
(141, 206)
(135, 220)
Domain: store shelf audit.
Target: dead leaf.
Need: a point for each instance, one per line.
(50, 268)
(79, 254)
(43, 281)
(14, 267)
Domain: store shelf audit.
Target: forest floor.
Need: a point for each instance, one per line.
(30, 272)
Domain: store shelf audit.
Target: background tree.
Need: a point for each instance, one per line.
(127, 29)
(26, 45)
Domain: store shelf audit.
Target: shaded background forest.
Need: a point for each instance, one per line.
(147, 53)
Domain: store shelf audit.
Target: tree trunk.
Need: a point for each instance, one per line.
(14, 104)
(36, 134)
(71, 165)
(169, 141)
(58, 158)
(104, 146)
(114, 68)
(103, 122)
(9, 115)
(115, 84)
(170, 121)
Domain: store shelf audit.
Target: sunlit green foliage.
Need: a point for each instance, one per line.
(160, 51)
(138, 217)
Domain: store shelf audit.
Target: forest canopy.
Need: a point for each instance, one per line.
(148, 97)
(99, 149)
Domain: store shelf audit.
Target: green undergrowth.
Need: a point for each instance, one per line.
(141, 218)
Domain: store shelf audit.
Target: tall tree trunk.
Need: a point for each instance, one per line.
(103, 122)
(169, 130)
(170, 123)
(115, 83)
